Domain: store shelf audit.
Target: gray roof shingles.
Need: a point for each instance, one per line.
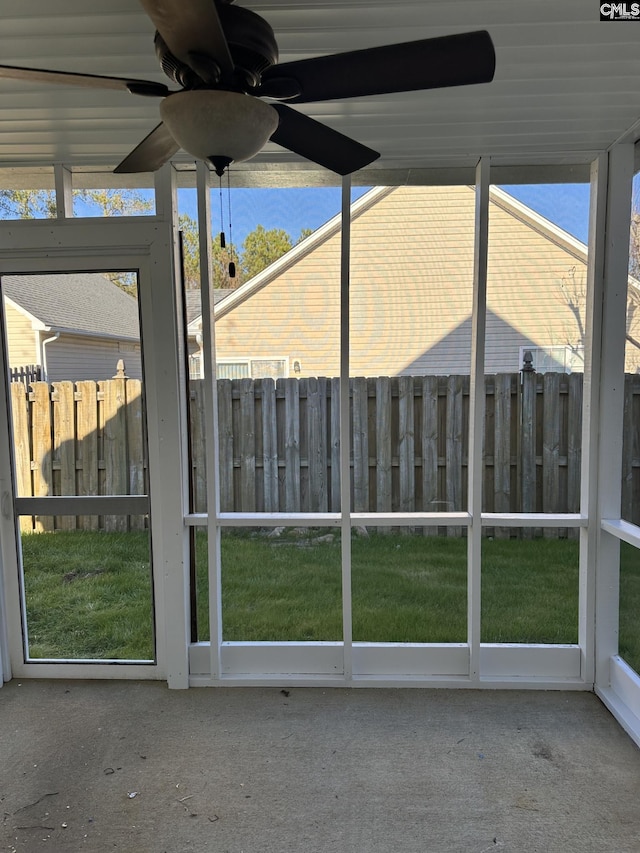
(78, 302)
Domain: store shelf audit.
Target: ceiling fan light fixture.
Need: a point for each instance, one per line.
(212, 123)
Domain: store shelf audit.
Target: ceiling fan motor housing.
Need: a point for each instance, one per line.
(252, 44)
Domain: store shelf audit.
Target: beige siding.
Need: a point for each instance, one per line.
(21, 338)
(76, 358)
(411, 290)
(412, 274)
(296, 315)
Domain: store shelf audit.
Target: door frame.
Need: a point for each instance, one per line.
(146, 245)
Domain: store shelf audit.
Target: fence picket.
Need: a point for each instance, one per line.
(336, 502)
(454, 449)
(115, 448)
(135, 446)
(316, 444)
(20, 421)
(502, 449)
(406, 445)
(247, 444)
(226, 447)
(574, 445)
(292, 444)
(267, 388)
(64, 449)
(87, 445)
(384, 462)
(360, 444)
(42, 447)
(430, 448)
(551, 449)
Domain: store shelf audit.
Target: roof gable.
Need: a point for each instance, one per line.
(369, 202)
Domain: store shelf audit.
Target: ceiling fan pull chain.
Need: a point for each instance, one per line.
(232, 266)
(223, 241)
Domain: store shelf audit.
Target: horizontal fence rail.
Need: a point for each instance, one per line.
(279, 444)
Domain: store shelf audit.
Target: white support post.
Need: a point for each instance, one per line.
(476, 415)
(167, 441)
(589, 535)
(203, 183)
(64, 191)
(345, 431)
(616, 265)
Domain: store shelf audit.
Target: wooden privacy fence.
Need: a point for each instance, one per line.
(82, 438)
(280, 448)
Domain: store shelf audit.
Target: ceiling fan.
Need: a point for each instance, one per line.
(225, 59)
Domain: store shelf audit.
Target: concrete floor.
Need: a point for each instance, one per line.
(135, 767)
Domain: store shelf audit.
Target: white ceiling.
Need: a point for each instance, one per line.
(566, 86)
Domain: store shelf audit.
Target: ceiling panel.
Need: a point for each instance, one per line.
(566, 84)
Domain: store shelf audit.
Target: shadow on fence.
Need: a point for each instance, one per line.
(83, 438)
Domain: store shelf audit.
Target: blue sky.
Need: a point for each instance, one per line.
(566, 205)
(294, 209)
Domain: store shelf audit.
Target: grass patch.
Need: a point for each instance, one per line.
(529, 591)
(280, 589)
(409, 589)
(629, 638)
(89, 594)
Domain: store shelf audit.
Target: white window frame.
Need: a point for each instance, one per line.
(566, 350)
(249, 360)
(467, 664)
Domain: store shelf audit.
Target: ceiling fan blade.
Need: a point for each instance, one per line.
(193, 33)
(455, 60)
(152, 153)
(90, 81)
(319, 143)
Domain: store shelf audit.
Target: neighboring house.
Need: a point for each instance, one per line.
(73, 326)
(411, 282)
(193, 311)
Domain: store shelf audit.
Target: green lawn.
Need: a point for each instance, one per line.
(89, 594)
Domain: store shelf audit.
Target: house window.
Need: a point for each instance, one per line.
(555, 359)
(253, 368)
(195, 366)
